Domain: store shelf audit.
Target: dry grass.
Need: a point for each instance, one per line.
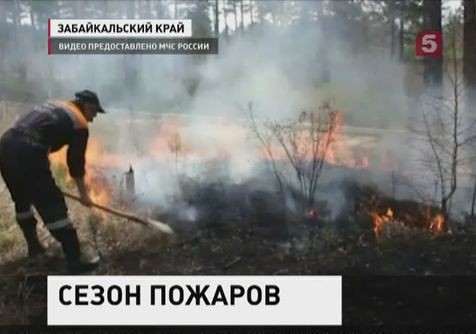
(23, 281)
(10, 235)
(97, 231)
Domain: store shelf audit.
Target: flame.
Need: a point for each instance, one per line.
(389, 213)
(96, 159)
(223, 137)
(339, 152)
(380, 220)
(169, 139)
(217, 140)
(332, 148)
(312, 213)
(437, 224)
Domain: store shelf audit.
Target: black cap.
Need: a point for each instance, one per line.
(90, 97)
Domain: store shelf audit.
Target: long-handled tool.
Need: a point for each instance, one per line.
(132, 217)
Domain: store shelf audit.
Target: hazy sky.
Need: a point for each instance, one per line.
(453, 4)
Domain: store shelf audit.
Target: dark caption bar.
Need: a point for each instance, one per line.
(409, 300)
(367, 302)
(193, 46)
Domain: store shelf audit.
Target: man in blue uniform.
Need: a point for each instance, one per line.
(25, 168)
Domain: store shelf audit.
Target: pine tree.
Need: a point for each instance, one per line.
(469, 45)
(199, 13)
(433, 67)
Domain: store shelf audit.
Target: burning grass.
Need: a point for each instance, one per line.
(245, 205)
(401, 215)
(229, 227)
(253, 233)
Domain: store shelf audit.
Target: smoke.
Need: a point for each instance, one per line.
(276, 69)
(280, 70)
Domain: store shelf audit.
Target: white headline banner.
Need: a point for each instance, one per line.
(119, 28)
(194, 300)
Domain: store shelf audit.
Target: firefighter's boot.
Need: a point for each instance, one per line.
(28, 227)
(70, 244)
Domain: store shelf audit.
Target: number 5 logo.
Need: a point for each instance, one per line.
(429, 44)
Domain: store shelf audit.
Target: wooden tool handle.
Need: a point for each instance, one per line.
(147, 222)
(115, 212)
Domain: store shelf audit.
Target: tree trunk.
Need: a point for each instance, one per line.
(78, 9)
(33, 20)
(469, 55)
(106, 9)
(392, 37)
(16, 22)
(324, 54)
(433, 67)
(3, 33)
(131, 10)
(159, 9)
(21, 69)
(444, 207)
(144, 9)
(235, 11)
(217, 19)
(473, 200)
(251, 12)
(401, 39)
(242, 12)
(153, 10)
(227, 28)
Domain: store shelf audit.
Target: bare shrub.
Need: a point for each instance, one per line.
(296, 148)
(446, 131)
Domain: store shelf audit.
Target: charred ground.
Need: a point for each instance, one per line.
(308, 247)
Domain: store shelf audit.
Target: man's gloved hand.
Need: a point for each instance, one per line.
(86, 200)
(83, 191)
